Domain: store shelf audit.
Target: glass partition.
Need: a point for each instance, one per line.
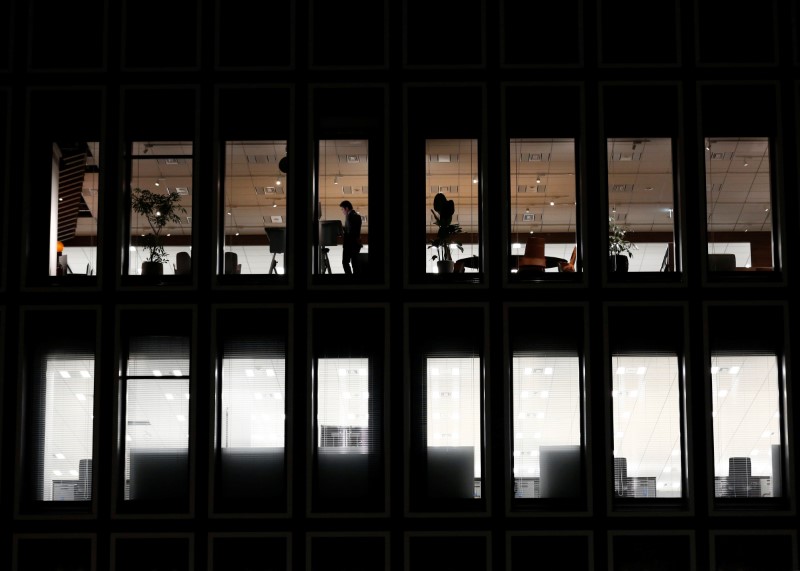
(161, 184)
(739, 204)
(543, 207)
(255, 207)
(641, 206)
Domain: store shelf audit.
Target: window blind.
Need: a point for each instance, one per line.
(157, 393)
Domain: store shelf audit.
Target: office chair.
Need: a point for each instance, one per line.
(183, 264)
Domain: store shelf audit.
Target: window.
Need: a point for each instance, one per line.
(452, 182)
(447, 464)
(156, 392)
(641, 205)
(342, 175)
(546, 417)
(543, 207)
(646, 397)
(161, 183)
(251, 424)
(747, 419)
(255, 207)
(547, 426)
(348, 462)
(76, 192)
(739, 204)
(58, 440)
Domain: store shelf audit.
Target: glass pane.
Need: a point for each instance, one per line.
(647, 426)
(75, 191)
(343, 405)
(157, 419)
(543, 208)
(253, 403)
(641, 206)
(255, 188)
(68, 422)
(547, 427)
(453, 219)
(161, 216)
(746, 416)
(343, 175)
(739, 204)
(454, 427)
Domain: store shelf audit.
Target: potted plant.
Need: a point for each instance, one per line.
(443, 211)
(620, 249)
(159, 210)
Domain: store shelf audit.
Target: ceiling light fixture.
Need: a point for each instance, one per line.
(336, 180)
(538, 179)
(274, 204)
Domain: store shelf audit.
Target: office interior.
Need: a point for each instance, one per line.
(540, 403)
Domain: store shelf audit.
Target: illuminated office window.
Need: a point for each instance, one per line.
(646, 396)
(75, 183)
(67, 417)
(453, 427)
(156, 418)
(641, 206)
(252, 425)
(543, 207)
(254, 205)
(546, 427)
(452, 188)
(161, 184)
(342, 174)
(747, 419)
(739, 204)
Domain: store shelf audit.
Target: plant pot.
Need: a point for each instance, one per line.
(152, 269)
(618, 263)
(445, 266)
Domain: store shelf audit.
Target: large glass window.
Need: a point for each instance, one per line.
(739, 204)
(75, 194)
(546, 411)
(255, 207)
(641, 206)
(156, 392)
(452, 185)
(543, 207)
(343, 234)
(746, 425)
(161, 184)
(58, 438)
(646, 396)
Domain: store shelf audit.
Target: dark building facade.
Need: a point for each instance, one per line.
(567, 340)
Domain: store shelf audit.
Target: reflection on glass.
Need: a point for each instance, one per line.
(547, 427)
(647, 426)
(343, 174)
(254, 196)
(164, 169)
(543, 210)
(451, 169)
(343, 405)
(641, 206)
(454, 427)
(739, 204)
(746, 417)
(75, 203)
(68, 422)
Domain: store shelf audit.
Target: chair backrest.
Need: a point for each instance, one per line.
(277, 240)
(569, 266)
(231, 261)
(534, 254)
(183, 263)
(722, 262)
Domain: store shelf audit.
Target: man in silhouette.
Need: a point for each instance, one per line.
(351, 237)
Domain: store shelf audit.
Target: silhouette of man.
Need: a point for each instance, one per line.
(351, 238)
